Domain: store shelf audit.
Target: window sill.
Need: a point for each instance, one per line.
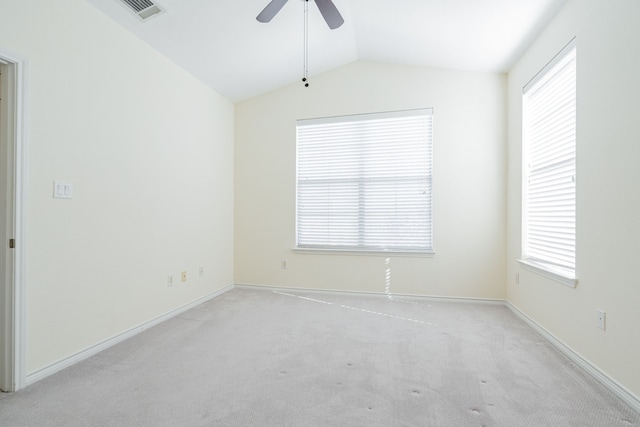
(363, 253)
(548, 272)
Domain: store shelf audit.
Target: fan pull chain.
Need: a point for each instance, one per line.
(306, 44)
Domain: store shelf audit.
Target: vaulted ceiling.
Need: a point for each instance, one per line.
(222, 44)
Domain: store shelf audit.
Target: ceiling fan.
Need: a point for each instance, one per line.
(328, 10)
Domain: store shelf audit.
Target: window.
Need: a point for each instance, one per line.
(549, 136)
(364, 182)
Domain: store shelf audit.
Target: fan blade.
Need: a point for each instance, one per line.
(271, 10)
(330, 13)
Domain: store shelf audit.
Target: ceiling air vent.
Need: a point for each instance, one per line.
(144, 9)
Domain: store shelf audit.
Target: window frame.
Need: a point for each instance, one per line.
(547, 268)
(354, 250)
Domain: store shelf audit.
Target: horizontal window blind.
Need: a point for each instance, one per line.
(364, 182)
(550, 165)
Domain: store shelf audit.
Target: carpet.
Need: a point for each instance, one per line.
(285, 358)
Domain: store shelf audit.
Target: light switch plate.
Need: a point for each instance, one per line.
(62, 190)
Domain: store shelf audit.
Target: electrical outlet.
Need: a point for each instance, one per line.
(183, 277)
(283, 264)
(602, 318)
(201, 271)
(169, 280)
(517, 278)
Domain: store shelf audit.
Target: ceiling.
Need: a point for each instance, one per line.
(222, 44)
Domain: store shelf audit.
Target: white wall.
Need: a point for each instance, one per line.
(608, 188)
(149, 151)
(469, 181)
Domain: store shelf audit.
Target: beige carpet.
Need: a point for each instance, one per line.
(264, 358)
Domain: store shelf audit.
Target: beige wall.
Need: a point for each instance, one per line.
(149, 151)
(608, 188)
(469, 182)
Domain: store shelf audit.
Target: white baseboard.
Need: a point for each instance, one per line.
(372, 294)
(97, 348)
(629, 398)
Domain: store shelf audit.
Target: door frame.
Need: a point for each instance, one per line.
(15, 75)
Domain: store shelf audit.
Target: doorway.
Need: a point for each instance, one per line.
(12, 71)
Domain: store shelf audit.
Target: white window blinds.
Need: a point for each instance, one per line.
(549, 220)
(364, 182)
